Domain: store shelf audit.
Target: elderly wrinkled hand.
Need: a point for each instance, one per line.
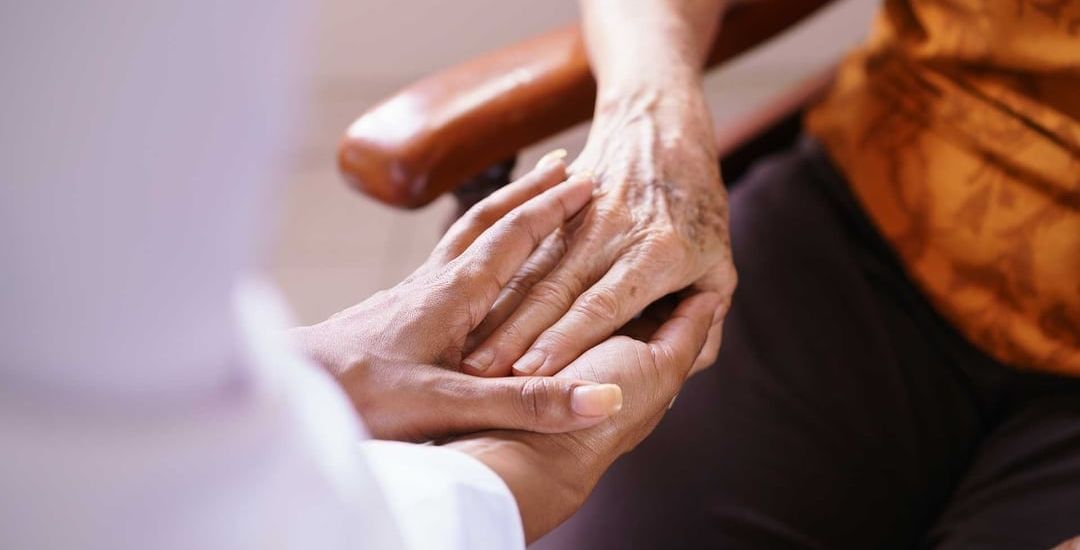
(657, 225)
(397, 353)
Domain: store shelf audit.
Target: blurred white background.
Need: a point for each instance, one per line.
(335, 246)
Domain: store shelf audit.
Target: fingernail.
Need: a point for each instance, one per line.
(529, 362)
(596, 400)
(480, 360)
(551, 158)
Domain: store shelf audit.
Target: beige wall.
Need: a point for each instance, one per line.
(335, 246)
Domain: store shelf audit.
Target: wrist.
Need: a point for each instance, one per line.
(656, 96)
(318, 343)
(549, 476)
(672, 128)
(673, 80)
(677, 115)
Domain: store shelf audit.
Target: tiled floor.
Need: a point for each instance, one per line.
(335, 246)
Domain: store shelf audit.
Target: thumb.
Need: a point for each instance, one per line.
(534, 403)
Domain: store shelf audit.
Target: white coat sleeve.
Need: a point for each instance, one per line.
(443, 498)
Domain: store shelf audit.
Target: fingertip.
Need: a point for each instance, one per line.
(529, 363)
(482, 362)
(552, 158)
(474, 366)
(552, 172)
(581, 183)
(546, 175)
(582, 178)
(572, 195)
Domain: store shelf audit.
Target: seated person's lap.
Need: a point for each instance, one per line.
(842, 412)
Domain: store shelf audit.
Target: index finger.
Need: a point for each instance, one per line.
(497, 254)
(549, 171)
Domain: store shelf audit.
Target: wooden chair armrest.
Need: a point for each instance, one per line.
(436, 133)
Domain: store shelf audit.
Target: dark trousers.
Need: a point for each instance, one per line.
(843, 412)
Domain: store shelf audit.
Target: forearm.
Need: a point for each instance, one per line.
(648, 44)
(651, 119)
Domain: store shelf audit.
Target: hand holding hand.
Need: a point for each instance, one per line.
(397, 353)
(657, 225)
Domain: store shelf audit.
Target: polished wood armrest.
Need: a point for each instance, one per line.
(436, 133)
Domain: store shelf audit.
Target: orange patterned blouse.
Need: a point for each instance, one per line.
(958, 128)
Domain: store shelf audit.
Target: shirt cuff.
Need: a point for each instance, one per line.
(443, 498)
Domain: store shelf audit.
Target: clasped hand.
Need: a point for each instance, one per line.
(398, 354)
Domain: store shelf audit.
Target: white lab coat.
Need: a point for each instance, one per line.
(146, 397)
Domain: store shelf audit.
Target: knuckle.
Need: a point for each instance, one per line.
(664, 360)
(534, 399)
(464, 275)
(601, 305)
(651, 364)
(659, 354)
(554, 341)
(551, 291)
(518, 285)
(555, 243)
(611, 215)
(664, 244)
(516, 220)
(522, 221)
(470, 280)
(481, 214)
(510, 331)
